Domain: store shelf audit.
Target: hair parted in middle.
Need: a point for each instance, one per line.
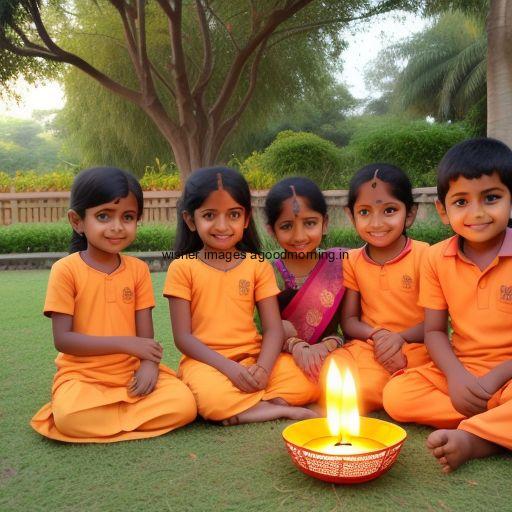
(399, 182)
(198, 187)
(296, 186)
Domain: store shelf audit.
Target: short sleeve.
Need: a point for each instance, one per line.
(178, 282)
(431, 294)
(144, 297)
(61, 291)
(265, 282)
(349, 277)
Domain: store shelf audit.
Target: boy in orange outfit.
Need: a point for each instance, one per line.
(467, 391)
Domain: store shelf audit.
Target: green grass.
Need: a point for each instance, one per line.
(200, 467)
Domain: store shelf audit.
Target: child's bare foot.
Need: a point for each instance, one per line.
(454, 447)
(301, 413)
(267, 410)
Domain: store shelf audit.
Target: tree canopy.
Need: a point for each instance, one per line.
(197, 72)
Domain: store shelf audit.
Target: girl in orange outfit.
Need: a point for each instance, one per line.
(236, 375)
(379, 310)
(109, 385)
(311, 280)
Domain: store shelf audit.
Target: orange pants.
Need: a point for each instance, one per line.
(421, 396)
(218, 398)
(97, 412)
(369, 374)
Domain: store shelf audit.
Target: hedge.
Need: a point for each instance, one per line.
(23, 238)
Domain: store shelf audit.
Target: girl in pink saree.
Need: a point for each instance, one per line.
(311, 280)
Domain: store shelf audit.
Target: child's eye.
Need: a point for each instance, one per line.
(389, 210)
(102, 217)
(235, 215)
(310, 223)
(363, 212)
(208, 215)
(285, 227)
(491, 198)
(460, 202)
(129, 217)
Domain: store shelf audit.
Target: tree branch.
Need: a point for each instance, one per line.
(233, 75)
(229, 124)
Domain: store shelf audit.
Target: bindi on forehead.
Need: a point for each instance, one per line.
(295, 202)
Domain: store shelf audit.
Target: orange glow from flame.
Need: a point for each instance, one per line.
(342, 410)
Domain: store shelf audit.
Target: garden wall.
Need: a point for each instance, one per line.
(160, 206)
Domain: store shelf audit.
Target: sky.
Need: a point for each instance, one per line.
(365, 40)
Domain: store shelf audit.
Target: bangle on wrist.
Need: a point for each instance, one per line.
(375, 331)
(301, 343)
(332, 342)
(291, 342)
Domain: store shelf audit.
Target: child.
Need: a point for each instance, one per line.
(236, 376)
(379, 310)
(466, 391)
(108, 386)
(311, 281)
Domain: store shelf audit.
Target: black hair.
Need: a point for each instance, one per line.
(282, 191)
(198, 187)
(399, 182)
(471, 159)
(99, 185)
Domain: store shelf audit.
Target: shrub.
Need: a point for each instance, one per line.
(30, 181)
(254, 172)
(5, 182)
(23, 238)
(161, 176)
(415, 146)
(305, 154)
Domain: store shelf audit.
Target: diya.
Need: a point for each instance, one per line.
(343, 448)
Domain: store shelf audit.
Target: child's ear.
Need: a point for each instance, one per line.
(189, 220)
(411, 216)
(76, 222)
(325, 224)
(247, 220)
(350, 215)
(441, 210)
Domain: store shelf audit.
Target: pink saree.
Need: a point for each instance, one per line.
(316, 302)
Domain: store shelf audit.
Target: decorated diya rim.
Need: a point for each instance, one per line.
(302, 432)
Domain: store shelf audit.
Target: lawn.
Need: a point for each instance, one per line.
(200, 467)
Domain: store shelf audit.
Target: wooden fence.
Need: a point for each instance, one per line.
(160, 206)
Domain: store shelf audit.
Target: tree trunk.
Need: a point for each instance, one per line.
(499, 71)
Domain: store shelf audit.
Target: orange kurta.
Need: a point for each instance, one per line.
(389, 295)
(90, 401)
(480, 307)
(222, 317)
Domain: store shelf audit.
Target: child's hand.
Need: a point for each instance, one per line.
(310, 358)
(146, 349)
(260, 374)
(144, 379)
(489, 382)
(240, 376)
(467, 394)
(396, 362)
(387, 346)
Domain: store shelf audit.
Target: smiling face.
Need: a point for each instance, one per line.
(378, 216)
(477, 209)
(220, 221)
(110, 227)
(300, 231)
